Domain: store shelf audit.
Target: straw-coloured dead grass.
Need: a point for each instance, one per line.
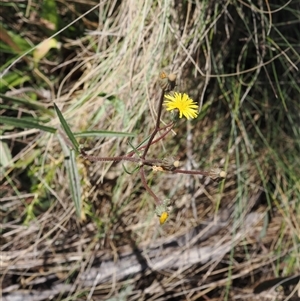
(239, 61)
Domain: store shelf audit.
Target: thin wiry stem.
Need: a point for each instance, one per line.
(112, 159)
(143, 178)
(168, 129)
(191, 172)
(156, 125)
(149, 162)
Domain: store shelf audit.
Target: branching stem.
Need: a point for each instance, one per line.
(156, 125)
(143, 178)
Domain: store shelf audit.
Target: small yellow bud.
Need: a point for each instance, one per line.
(170, 163)
(164, 216)
(223, 174)
(162, 210)
(172, 77)
(217, 174)
(176, 163)
(167, 81)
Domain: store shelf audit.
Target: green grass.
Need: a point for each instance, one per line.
(238, 60)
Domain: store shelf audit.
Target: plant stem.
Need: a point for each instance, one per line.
(114, 159)
(156, 125)
(191, 172)
(168, 129)
(143, 178)
(149, 162)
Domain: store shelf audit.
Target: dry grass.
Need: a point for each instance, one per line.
(240, 62)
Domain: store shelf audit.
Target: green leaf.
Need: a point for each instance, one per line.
(50, 13)
(28, 158)
(74, 181)
(5, 155)
(22, 123)
(103, 134)
(12, 79)
(14, 40)
(27, 103)
(130, 172)
(134, 149)
(43, 48)
(140, 145)
(67, 128)
(7, 62)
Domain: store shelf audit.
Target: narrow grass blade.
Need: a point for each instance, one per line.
(24, 123)
(74, 181)
(27, 103)
(103, 134)
(143, 142)
(66, 128)
(134, 149)
(129, 172)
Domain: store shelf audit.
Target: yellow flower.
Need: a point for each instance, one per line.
(162, 211)
(164, 216)
(185, 105)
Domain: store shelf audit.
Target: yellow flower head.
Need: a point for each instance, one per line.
(185, 105)
(162, 211)
(164, 216)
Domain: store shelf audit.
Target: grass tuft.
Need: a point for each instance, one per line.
(83, 230)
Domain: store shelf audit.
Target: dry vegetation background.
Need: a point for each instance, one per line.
(239, 60)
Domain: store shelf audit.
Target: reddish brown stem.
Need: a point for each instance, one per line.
(143, 178)
(169, 126)
(191, 172)
(112, 159)
(149, 162)
(156, 125)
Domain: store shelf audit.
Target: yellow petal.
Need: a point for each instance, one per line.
(164, 216)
